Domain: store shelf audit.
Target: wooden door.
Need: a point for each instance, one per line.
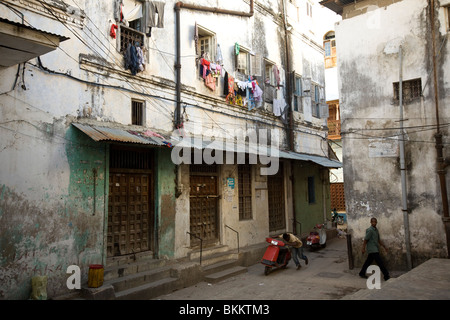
(275, 186)
(128, 213)
(203, 204)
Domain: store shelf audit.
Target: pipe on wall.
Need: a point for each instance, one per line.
(441, 163)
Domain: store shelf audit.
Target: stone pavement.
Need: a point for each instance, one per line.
(428, 281)
(326, 277)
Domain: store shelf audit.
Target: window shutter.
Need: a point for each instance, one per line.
(256, 62)
(196, 39)
(307, 86)
(324, 111)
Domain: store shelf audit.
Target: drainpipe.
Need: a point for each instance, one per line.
(288, 81)
(177, 119)
(177, 8)
(441, 164)
(402, 164)
(215, 10)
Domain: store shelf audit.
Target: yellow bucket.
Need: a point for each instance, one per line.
(95, 277)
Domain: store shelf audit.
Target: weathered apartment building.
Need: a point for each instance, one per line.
(139, 127)
(393, 62)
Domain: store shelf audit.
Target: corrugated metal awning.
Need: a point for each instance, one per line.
(99, 133)
(199, 143)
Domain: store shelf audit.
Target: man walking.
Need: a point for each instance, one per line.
(373, 242)
(296, 248)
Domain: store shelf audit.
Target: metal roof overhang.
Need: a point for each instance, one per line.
(337, 5)
(20, 43)
(269, 151)
(100, 133)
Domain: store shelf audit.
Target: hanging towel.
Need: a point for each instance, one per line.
(277, 76)
(278, 106)
(112, 33)
(153, 8)
(134, 14)
(210, 82)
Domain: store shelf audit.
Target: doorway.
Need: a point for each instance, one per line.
(204, 196)
(130, 201)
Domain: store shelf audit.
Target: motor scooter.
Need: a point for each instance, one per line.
(336, 217)
(277, 255)
(317, 239)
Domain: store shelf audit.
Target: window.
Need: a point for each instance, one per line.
(329, 45)
(311, 191)
(298, 94)
(245, 191)
(129, 35)
(412, 89)
(270, 74)
(137, 113)
(206, 44)
(243, 61)
(270, 81)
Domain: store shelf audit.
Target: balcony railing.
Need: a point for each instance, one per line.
(334, 129)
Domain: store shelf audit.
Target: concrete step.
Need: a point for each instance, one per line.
(219, 266)
(149, 290)
(139, 278)
(129, 258)
(227, 273)
(118, 271)
(207, 252)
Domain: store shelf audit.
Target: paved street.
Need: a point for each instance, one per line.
(325, 277)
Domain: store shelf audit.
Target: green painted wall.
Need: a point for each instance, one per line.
(57, 222)
(165, 184)
(310, 214)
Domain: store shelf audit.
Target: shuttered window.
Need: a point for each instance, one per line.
(245, 191)
(137, 113)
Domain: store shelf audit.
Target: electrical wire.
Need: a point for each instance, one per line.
(91, 48)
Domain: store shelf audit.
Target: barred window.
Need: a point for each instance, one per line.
(412, 89)
(137, 113)
(245, 191)
(129, 35)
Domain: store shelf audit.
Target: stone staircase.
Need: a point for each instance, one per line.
(218, 263)
(141, 277)
(141, 280)
(144, 278)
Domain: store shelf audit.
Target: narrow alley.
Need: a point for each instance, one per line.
(326, 276)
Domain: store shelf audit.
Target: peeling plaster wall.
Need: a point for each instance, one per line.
(367, 47)
(54, 178)
(51, 209)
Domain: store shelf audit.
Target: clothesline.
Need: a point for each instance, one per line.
(243, 93)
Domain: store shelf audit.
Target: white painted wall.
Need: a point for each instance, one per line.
(368, 65)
